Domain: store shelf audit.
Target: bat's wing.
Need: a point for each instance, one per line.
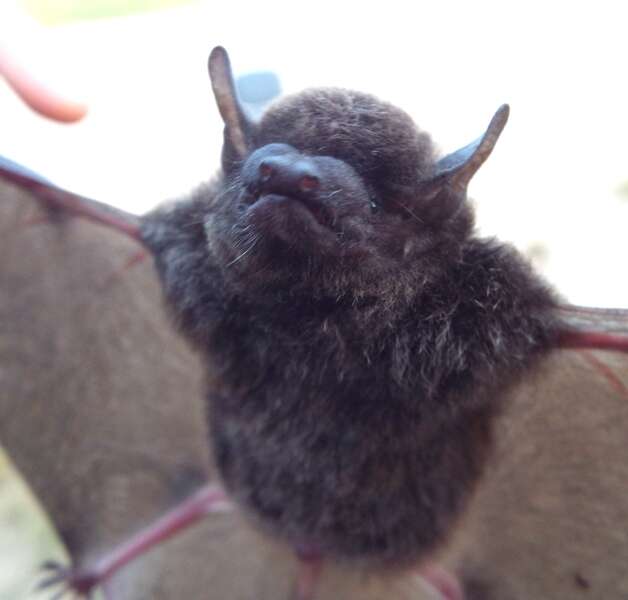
(594, 328)
(550, 517)
(69, 203)
(101, 410)
(602, 320)
(101, 403)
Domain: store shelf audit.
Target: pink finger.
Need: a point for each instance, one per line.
(40, 97)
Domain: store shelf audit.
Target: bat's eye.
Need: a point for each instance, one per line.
(265, 171)
(309, 183)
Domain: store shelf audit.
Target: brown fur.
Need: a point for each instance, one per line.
(359, 337)
(348, 125)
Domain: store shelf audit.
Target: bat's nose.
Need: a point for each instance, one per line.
(287, 175)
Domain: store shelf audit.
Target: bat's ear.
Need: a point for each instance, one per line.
(238, 128)
(460, 166)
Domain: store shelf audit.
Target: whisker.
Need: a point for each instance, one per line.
(243, 254)
(412, 214)
(333, 193)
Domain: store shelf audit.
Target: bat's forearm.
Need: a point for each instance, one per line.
(59, 199)
(208, 499)
(593, 329)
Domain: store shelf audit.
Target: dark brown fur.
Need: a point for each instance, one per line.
(356, 365)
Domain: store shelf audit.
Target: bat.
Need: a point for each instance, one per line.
(364, 249)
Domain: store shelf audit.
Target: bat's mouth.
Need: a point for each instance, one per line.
(309, 208)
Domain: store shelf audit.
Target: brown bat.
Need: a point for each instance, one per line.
(359, 341)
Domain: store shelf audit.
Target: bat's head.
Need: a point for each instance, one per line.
(337, 191)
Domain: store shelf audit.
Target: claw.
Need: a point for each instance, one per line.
(69, 578)
(50, 565)
(59, 577)
(57, 573)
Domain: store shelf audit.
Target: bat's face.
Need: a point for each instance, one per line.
(337, 193)
(331, 191)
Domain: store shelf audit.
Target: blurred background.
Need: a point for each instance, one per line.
(556, 186)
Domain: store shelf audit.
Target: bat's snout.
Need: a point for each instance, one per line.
(287, 174)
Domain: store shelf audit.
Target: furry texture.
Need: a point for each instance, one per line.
(357, 342)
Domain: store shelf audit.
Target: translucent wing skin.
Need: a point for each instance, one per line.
(549, 519)
(60, 200)
(100, 404)
(101, 410)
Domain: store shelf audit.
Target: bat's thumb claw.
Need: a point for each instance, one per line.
(69, 579)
